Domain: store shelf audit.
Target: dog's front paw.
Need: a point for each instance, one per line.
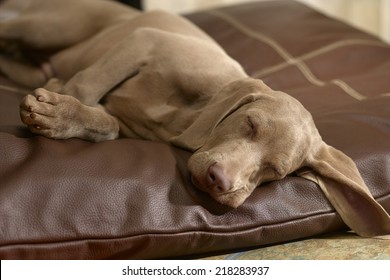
(51, 114)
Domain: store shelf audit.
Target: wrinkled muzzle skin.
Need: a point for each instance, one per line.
(261, 141)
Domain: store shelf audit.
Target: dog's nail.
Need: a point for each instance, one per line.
(37, 127)
(40, 98)
(30, 108)
(33, 116)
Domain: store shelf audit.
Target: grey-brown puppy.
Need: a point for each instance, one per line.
(157, 76)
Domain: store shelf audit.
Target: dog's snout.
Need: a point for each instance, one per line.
(217, 179)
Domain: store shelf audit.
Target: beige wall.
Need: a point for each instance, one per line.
(370, 15)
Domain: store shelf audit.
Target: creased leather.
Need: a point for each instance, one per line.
(134, 199)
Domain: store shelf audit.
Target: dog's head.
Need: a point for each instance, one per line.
(260, 141)
(250, 134)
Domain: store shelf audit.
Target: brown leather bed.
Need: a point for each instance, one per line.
(127, 199)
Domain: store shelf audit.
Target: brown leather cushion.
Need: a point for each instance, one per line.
(134, 199)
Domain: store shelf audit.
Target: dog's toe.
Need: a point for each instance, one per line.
(39, 121)
(49, 97)
(51, 114)
(37, 116)
(38, 112)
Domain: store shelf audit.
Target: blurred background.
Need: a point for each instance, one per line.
(369, 15)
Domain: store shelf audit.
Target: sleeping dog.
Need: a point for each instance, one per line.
(113, 71)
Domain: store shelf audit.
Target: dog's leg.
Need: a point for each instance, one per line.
(121, 62)
(24, 74)
(57, 24)
(54, 84)
(61, 117)
(30, 31)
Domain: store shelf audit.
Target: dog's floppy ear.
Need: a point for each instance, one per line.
(340, 180)
(229, 99)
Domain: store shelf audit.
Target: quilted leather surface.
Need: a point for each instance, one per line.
(133, 199)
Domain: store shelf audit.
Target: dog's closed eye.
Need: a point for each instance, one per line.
(252, 126)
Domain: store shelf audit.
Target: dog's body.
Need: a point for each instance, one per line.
(159, 77)
(156, 46)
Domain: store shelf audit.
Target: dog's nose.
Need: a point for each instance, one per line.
(217, 179)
